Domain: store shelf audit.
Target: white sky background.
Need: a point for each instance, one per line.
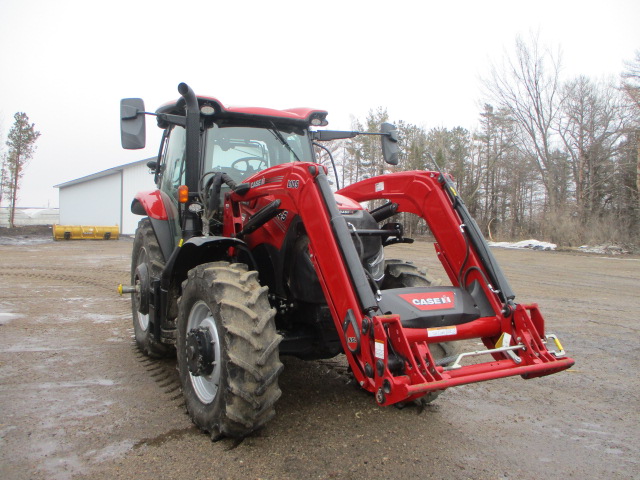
(68, 63)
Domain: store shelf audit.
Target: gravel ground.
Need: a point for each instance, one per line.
(78, 400)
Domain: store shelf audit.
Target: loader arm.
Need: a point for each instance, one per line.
(386, 357)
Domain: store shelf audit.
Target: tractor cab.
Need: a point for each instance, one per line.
(228, 145)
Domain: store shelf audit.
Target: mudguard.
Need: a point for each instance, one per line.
(194, 252)
(154, 204)
(150, 203)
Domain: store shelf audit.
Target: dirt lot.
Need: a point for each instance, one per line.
(77, 400)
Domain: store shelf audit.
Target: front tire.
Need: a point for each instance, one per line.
(227, 349)
(147, 263)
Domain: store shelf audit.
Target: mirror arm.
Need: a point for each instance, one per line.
(172, 119)
(388, 135)
(167, 117)
(339, 135)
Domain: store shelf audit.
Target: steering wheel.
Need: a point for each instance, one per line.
(247, 161)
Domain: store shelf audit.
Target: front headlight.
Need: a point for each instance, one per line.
(376, 265)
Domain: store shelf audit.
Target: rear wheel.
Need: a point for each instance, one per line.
(402, 274)
(147, 263)
(227, 349)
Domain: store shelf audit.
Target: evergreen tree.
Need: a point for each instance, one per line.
(21, 142)
(4, 177)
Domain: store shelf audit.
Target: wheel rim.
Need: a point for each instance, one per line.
(205, 386)
(143, 321)
(143, 318)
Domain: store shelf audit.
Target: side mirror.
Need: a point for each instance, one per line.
(132, 123)
(390, 149)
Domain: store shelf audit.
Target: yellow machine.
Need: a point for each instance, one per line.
(74, 232)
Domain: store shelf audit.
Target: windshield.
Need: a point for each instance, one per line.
(243, 151)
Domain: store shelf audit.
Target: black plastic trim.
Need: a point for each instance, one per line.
(348, 249)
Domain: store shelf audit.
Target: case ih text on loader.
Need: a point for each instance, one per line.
(244, 253)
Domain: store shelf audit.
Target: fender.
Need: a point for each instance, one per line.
(196, 251)
(150, 203)
(154, 203)
(193, 252)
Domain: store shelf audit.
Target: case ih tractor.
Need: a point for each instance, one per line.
(244, 253)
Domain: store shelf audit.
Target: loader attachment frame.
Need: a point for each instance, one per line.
(387, 358)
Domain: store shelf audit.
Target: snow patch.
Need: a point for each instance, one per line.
(532, 244)
(604, 249)
(6, 317)
(24, 240)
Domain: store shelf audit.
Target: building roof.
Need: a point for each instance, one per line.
(104, 173)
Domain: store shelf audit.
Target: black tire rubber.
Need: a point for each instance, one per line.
(146, 250)
(248, 364)
(402, 274)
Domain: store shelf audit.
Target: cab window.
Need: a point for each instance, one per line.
(172, 176)
(243, 151)
(174, 163)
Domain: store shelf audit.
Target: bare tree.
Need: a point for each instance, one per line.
(527, 87)
(4, 173)
(364, 151)
(631, 82)
(631, 86)
(508, 179)
(591, 127)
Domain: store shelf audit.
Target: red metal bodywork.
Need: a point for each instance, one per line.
(153, 204)
(420, 193)
(301, 114)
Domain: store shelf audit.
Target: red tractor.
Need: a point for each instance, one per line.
(245, 253)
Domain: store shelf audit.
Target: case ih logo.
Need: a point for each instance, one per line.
(430, 300)
(257, 183)
(265, 181)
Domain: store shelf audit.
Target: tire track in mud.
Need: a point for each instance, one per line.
(78, 280)
(163, 371)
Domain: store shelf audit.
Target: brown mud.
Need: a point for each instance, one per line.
(78, 400)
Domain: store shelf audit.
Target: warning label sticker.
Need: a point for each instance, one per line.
(441, 331)
(379, 350)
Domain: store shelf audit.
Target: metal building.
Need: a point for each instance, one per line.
(104, 198)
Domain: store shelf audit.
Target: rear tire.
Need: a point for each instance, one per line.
(401, 274)
(234, 388)
(146, 252)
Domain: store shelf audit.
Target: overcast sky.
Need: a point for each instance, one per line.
(68, 63)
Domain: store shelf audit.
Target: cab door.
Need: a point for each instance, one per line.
(172, 175)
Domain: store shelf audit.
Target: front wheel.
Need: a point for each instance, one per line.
(147, 263)
(227, 349)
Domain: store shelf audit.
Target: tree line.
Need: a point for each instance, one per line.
(551, 159)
